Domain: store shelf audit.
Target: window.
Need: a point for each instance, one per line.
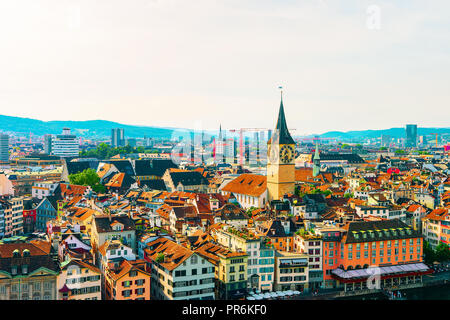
(140, 282)
(126, 284)
(194, 259)
(140, 291)
(194, 272)
(37, 286)
(126, 293)
(133, 273)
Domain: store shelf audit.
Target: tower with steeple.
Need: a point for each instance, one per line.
(281, 156)
(316, 161)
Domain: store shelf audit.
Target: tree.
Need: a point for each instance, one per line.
(442, 252)
(160, 258)
(349, 195)
(428, 252)
(87, 177)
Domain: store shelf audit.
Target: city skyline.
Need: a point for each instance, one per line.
(222, 62)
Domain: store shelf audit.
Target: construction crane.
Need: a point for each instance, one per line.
(241, 139)
(317, 139)
(436, 134)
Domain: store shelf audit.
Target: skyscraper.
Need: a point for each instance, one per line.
(117, 137)
(411, 135)
(4, 147)
(65, 144)
(48, 144)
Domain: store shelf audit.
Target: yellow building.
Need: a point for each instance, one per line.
(281, 160)
(230, 270)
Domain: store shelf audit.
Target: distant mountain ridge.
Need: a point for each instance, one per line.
(392, 132)
(89, 128)
(102, 129)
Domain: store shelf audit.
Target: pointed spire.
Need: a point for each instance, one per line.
(316, 161)
(281, 134)
(316, 153)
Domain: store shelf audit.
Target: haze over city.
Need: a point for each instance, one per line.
(362, 65)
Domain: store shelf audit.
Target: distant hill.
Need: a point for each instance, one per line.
(393, 132)
(102, 129)
(90, 128)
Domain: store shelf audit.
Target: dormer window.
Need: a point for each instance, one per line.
(14, 270)
(24, 269)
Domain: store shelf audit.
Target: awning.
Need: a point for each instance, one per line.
(383, 271)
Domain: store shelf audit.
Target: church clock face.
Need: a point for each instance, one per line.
(287, 154)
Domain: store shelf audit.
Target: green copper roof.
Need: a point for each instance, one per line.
(281, 134)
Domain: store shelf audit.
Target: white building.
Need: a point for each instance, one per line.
(40, 190)
(114, 251)
(179, 273)
(250, 190)
(65, 144)
(78, 280)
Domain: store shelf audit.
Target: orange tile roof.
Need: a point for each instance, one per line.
(437, 214)
(174, 253)
(72, 189)
(127, 266)
(249, 184)
(116, 180)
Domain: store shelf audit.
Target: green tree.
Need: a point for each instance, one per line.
(160, 257)
(442, 252)
(428, 252)
(349, 195)
(87, 177)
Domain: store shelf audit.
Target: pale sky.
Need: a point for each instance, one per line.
(175, 62)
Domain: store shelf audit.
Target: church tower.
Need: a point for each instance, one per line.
(316, 161)
(281, 156)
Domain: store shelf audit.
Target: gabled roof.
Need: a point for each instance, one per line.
(213, 252)
(153, 167)
(437, 214)
(72, 189)
(174, 253)
(188, 178)
(154, 184)
(124, 166)
(39, 252)
(249, 184)
(127, 266)
(103, 223)
(272, 229)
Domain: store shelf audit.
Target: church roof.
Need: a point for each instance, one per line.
(281, 134)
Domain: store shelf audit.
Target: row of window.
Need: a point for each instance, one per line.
(296, 278)
(182, 273)
(138, 282)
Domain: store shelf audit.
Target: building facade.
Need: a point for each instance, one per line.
(65, 144)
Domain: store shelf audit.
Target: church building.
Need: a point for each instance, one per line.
(281, 156)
